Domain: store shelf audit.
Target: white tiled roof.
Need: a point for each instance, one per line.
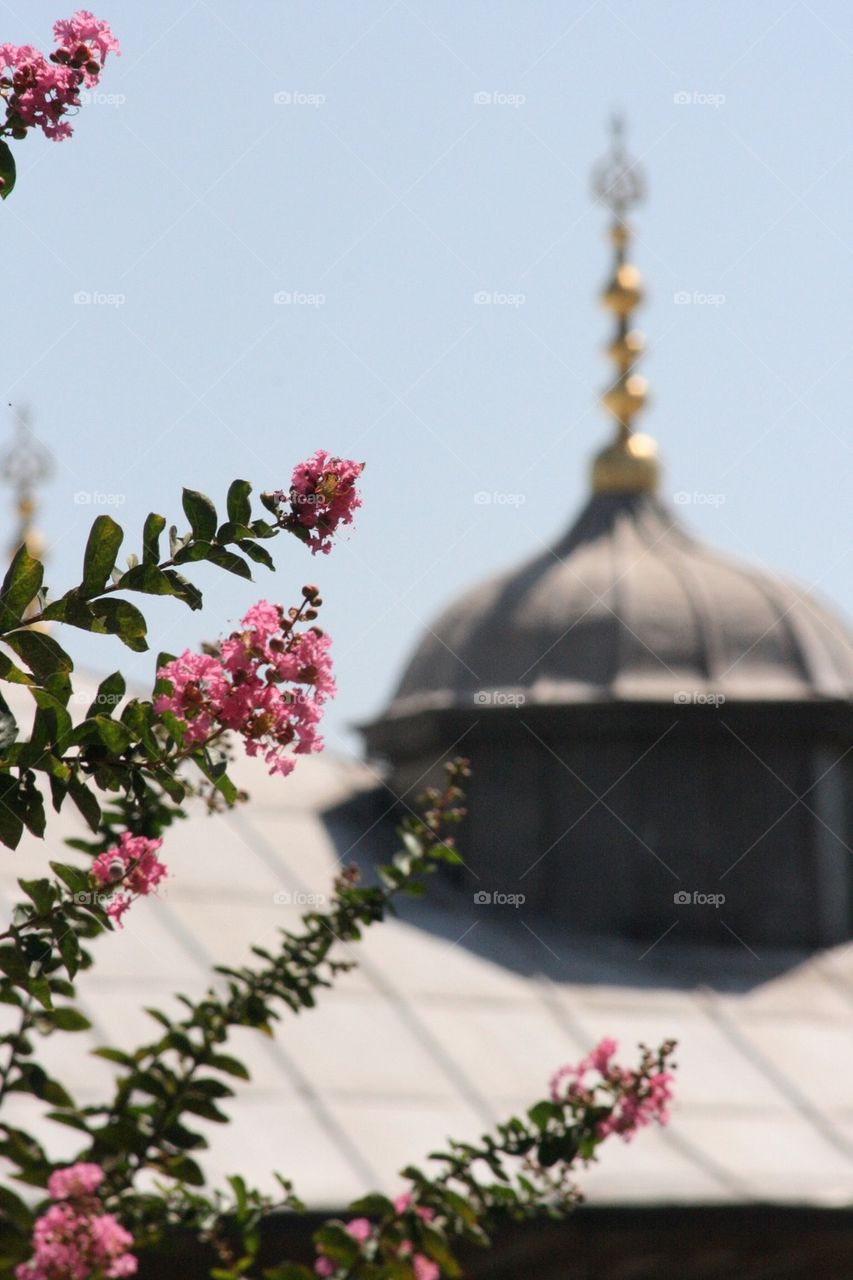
(456, 1016)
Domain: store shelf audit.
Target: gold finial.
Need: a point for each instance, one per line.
(629, 464)
(24, 465)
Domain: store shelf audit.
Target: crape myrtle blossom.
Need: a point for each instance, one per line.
(367, 1235)
(322, 496)
(132, 868)
(267, 681)
(74, 1239)
(39, 91)
(631, 1098)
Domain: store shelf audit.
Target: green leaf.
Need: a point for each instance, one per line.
(34, 816)
(52, 721)
(114, 735)
(70, 1020)
(40, 989)
(85, 802)
(20, 586)
(184, 1169)
(201, 514)
(109, 695)
(337, 1243)
(75, 878)
(543, 1112)
(372, 1206)
(12, 809)
(153, 527)
(435, 1246)
(238, 504)
(288, 1271)
(138, 716)
(147, 578)
(41, 892)
(230, 532)
(8, 172)
(12, 673)
(216, 555)
(122, 619)
(231, 1066)
(554, 1147)
(66, 941)
(13, 963)
(184, 589)
(114, 1055)
(259, 554)
(8, 725)
(105, 538)
(14, 1210)
(40, 652)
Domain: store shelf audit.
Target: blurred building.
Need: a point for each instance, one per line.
(645, 715)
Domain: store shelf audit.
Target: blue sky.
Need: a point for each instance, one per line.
(337, 152)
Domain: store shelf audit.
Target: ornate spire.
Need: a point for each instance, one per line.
(24, 465)
(629, 464)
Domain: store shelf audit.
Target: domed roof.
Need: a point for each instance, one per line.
(628, 605)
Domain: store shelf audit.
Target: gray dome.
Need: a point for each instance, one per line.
(628, 606)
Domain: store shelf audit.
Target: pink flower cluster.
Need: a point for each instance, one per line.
(268, 683)
(39, 91)
(133, 868)
(74, 1239)
(363, 1230)
(636, 1097)
(322, 496)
